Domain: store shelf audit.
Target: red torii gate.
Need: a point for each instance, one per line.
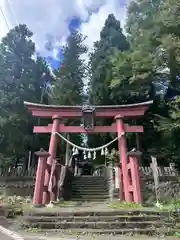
(117, 112)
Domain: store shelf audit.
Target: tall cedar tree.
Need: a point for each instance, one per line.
(111, 40)
(68, 89)
(20, 80)
(154, 48)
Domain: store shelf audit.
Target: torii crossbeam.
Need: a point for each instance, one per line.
(78, 129)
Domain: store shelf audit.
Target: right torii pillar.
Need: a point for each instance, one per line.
(130, 189)
(51, 162)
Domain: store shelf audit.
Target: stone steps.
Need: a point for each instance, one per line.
(100, 225)
(89, 193)
(86, 198)
(98, 213)
(84, 180)
(88, 180)
(100, 222)
(116, 232)
(78, 199)
(89, 188)
(90, 185)
(88, 177)
(122, 218)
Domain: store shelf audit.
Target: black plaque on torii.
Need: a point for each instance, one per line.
(88, 117)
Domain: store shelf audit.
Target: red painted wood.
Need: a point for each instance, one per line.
(129, 166)
(76, 112)
(131, 188)
(123, 157)
(79, 129)
(121, 190)
(135, 175)
(51, 158)
(39, 184)
(73, 113)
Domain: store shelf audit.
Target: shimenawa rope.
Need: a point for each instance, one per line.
(88, 149)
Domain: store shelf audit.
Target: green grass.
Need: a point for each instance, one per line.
(170, 206)
(16, 204)
(125, 205)
(66, 204)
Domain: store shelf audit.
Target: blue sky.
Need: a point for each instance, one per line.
(74, 23)
(52, 21)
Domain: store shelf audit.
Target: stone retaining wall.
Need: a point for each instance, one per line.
(19, 186)
(169, 187)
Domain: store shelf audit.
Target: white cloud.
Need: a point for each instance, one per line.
(96, 21)
(4, 23)
(50, 18)
(90, 5)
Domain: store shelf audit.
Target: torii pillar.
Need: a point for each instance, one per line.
(123, 157)
(40, 175)
(47, 196)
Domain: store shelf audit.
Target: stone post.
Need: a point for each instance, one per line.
(111, 182)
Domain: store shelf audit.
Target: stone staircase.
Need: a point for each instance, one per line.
(89, 188)
(107, 222)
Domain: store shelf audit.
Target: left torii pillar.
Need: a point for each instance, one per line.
(40, 175)
(51, 159)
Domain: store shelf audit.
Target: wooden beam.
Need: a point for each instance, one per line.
(79, 129)
(128, 110)
(111, 113)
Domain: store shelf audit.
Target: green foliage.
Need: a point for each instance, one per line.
(113, 156)
(112, 39)
(124, 85)
(125, 205)
(154, 41)
(153, 58)
(68, 89)
(172, 123)
(122, 69)
(19, 81)
(134, 70)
